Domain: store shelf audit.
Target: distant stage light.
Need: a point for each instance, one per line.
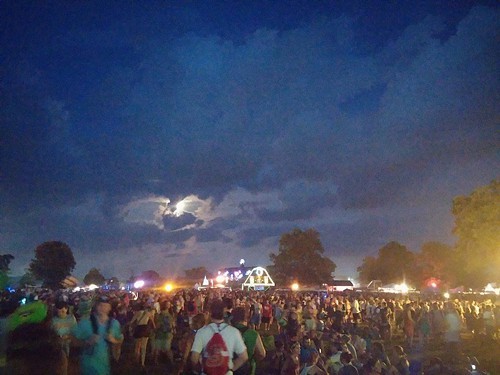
(168, 287)
(295, 286)
(220, 279)
(139, 284)
(446, 295)
(404, 288)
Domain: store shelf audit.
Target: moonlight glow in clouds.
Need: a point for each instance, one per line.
(156, 210)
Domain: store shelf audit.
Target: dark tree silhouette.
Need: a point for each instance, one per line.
(300, 258)
(52, 263)
(394, 263)
(5, 262)
(196, 273)
(477, 219)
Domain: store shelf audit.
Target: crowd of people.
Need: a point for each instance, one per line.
(273, 332)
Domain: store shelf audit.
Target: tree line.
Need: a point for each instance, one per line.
(473, 261)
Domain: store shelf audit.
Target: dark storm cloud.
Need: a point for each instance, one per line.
(214, 231)
(37, 152)
(252, 237)
(369, 233)
(211, 235)
(173, 255)
(300, 200)
(304, 116)
(440, 108)
(273, 101)
(172, 223)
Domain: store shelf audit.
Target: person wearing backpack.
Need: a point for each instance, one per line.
(164, 333)
(95, 334)
(252, 340)
(218, 345)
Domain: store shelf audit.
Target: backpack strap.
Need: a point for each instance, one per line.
(219, 330)
(93, 321)
(108, 325)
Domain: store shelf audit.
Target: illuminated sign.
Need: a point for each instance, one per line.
(258, 279)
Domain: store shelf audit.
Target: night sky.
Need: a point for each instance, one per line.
(168, 135)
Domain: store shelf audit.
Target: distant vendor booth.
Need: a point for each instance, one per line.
(340, 286)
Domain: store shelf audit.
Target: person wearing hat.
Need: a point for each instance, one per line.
(31, 343)
(94, 334)
(63, 323)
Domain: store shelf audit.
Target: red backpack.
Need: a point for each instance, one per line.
(215, 355)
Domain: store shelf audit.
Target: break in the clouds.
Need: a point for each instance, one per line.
(160, 212)
(183, 140)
